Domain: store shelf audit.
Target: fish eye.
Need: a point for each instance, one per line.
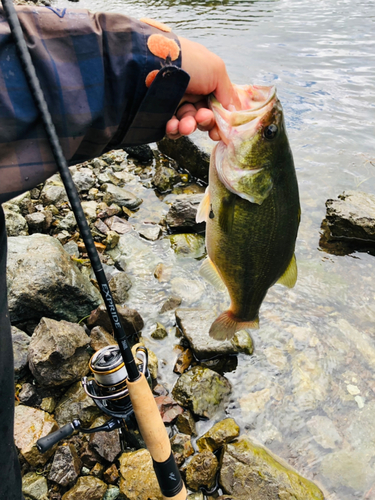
(270, 132)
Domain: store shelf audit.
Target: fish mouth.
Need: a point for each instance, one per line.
(255, 100)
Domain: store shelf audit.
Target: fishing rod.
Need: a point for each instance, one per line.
(134, 382)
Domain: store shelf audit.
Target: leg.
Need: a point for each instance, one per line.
(10, 474)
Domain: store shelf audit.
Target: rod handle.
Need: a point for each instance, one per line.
(155, 435)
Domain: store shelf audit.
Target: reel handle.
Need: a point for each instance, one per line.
(45, 443)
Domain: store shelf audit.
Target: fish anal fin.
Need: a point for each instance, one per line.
(210, 273)
(226, 214)
(289, 277)
(226, 325)
(203, 211)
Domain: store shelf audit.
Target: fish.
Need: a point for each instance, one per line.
(251, 207)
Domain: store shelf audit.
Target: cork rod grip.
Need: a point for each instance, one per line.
(156, 438)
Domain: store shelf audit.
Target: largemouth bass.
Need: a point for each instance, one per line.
(251, 207)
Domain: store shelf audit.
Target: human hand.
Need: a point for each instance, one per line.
(208, 75)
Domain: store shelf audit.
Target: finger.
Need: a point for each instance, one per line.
(187, 125)
(171, 128)
(214, 134)
(187, 109)
(205, 119)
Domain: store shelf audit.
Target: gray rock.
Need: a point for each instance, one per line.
(43, 281)
(352, 216)
(165, 178)
(29, 395)
(188, 245)
(181, 215)
(106, 444)
(120, 284)
(170, 304)
(150, 232)
(202, 391)
(131, 320)
(201, 471)
(37, 222)
(71, 248)
(57, 352)
(89, 209)
(21, 343)
(68, 223)
(120, 196)
(87, 487)
(66, 465)
(83, 179)
(221, 433)
(53, 192)
(34, 486)
(112, 493)
(121, 226)
(195, 325)
(188, 156)
(16, 224)
(76, 404)
(101, 338)
(24, 203)
(248, 467)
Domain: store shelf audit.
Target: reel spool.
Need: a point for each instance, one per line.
(108, 388)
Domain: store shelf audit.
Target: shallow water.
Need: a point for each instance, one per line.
(308, 392)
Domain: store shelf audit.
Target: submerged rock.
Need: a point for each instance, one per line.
(57, 352)
(201, 471)
(66, 465)
(221, 433)
(30, 424)
(201, 390)
(138, 480)
(195, 325)
(247, 467)
(43, 281)
(188, 245)
(87, 487)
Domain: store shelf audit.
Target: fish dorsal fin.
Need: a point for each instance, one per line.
(226, 213)
(289, 278)
(203, 211)
(210, 273)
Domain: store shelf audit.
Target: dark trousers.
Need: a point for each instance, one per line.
(10, 474)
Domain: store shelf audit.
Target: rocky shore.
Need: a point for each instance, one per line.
(59, 322)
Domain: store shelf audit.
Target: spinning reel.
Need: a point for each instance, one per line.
(109, 391)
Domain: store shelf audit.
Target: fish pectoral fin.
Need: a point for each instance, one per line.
(210, 273)
(203, 211)
(226, 213)
(289, 278)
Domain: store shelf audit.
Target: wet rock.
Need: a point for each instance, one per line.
(160, 332)
(68, 223)
(97, 470)
(133, 466)
(34, 486)
(105, 444)
(29, 395)
(76, 404)
(168, 408)
(83, 179)
(112, 493)
(120, 226)
(87, 487)
(150, 232)
(141, 153)
(111, 475)
(43, 281)
(57, 352)
(101, 226)
(188, 156)
(21, 343)
(89, 458)
(221, 433)
(131, 320)
(170, 304)
(201, 390)
(195, 325)
(89, 209)
(101, 338)
(165, 178)
(71, 248)
(183, 361)
(324, 431)
(48, 404)
(185, 423)
(188, 245)
(181, 447)
(120, 284)
(120, 196)
(162, 272)
(190, 290)
(248, 467)
(181, 215)
(66, 465)
(37, 222)
(111, 240)
(15, 223)
(24, 203)
(201, 471)
(30, 424)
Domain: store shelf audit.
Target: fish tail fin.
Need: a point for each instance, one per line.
(227, 324)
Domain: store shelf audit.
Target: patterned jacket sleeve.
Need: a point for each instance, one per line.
(109, 81)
